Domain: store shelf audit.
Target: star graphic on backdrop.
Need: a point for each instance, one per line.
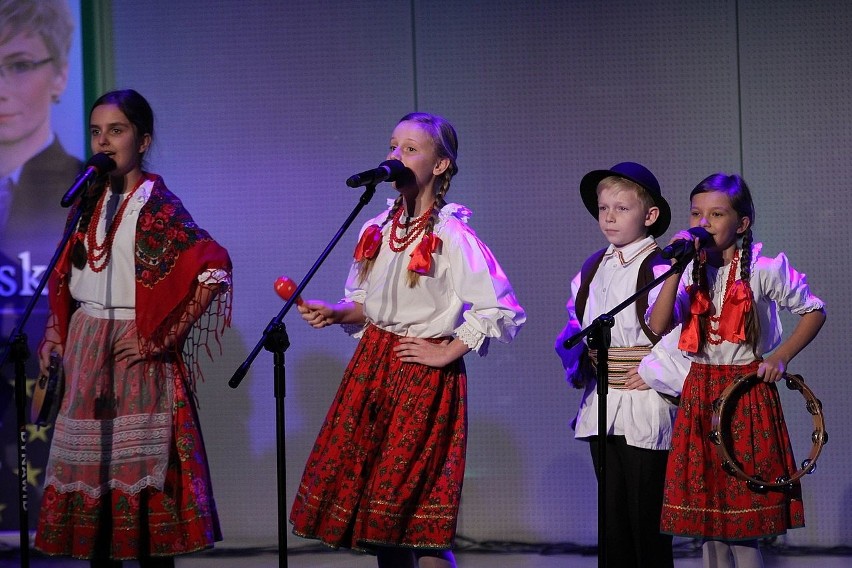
(37, 433)
(32, 474)
(30, 384)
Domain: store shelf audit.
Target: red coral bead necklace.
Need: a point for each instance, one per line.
(410, 230)
(98, 255)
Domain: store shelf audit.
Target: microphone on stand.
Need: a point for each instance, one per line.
(685, 248)
(98, 165)
(389, 170)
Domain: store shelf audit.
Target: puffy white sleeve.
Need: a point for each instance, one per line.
(491, 310)
(681, 302)
(665, 367)
(785, 285)
(215, 277)
(571, 357)
(354, 290)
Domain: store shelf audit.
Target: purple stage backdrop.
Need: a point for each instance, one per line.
(264, 108)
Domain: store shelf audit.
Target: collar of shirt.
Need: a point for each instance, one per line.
(628, 253)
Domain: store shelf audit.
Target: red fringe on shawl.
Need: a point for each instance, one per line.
(170, 251)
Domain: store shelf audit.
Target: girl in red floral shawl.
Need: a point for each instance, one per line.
(729, 304)
(135, 293)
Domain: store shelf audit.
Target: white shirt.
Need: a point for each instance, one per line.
(643, 417)
(111, 293)
(466, 294)
(774, 283)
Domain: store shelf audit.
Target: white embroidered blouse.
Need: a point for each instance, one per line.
(775, 284)
(466, 293)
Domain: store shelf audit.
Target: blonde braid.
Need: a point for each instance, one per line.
(413, 277)
(444, 137)
(366, 265)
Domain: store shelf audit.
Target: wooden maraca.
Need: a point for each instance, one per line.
(285, 287)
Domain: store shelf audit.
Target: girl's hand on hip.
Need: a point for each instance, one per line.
(127, 350)
(417, 350)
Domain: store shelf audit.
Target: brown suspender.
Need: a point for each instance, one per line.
(646, 275)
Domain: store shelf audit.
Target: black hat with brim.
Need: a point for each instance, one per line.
(637, 173)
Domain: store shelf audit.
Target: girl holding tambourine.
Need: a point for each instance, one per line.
(728, 300)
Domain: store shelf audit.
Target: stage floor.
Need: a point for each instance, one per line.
(254, 558)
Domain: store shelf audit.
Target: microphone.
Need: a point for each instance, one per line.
(685, 248)
(389, 170)
(285, 287)
(98, 165)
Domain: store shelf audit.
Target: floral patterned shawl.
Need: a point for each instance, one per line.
(171, 251)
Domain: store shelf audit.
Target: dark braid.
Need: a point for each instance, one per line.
(699, 279)
(745, 256)
(88, 203)
(735, 187)
(752, 323)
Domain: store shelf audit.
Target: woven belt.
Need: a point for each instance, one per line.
(619, 361)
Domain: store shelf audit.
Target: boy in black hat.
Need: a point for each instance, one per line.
(643, 381)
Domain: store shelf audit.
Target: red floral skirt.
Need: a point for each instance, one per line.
(84, 516)
(388, 464)
(701, 499)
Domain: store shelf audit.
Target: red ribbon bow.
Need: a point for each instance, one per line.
(699, 303)
(737, 305)
(368, 245)
(63, 263)
(421, 257)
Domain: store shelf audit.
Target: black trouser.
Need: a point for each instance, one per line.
(634, 499)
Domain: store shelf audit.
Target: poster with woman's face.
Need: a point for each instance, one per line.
(42, 145)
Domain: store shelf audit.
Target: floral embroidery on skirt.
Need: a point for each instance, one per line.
(701, 499)
(127, 475)
(388, 463)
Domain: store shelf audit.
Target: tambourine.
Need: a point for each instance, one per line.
(47, 394)
(724, 405)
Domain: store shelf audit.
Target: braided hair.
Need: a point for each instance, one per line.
(444, 137)
(735, 187)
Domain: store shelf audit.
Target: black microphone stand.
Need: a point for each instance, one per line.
(598, 334)
(275, 339)
(18, 351)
